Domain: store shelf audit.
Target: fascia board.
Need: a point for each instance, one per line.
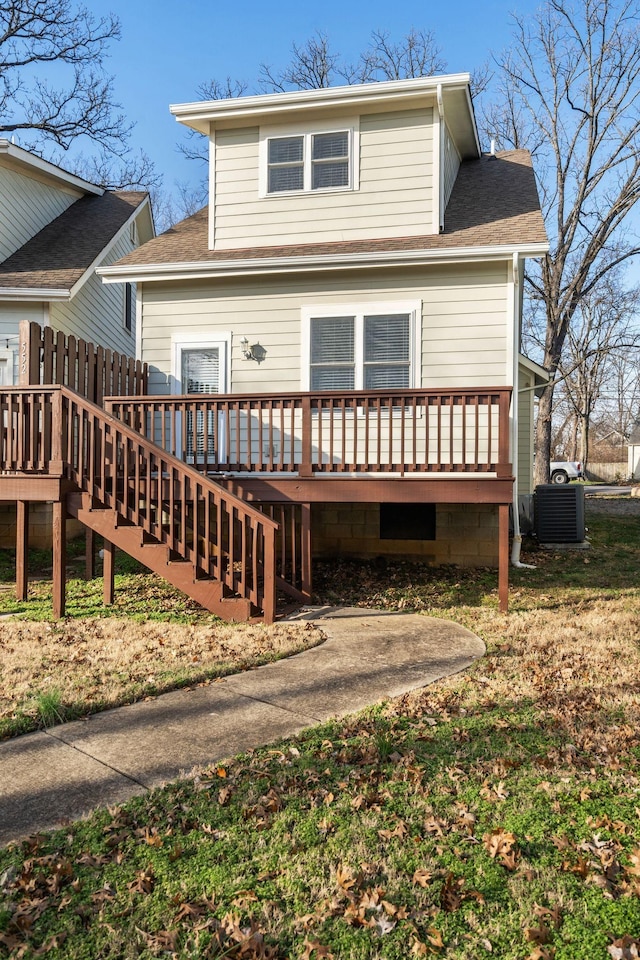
(91, 269)
(205, 269)
(541, 372)
(31, 294)
(200, 114)
(27, 159)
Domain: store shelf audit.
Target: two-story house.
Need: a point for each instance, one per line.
(353, 292)
(333, 355)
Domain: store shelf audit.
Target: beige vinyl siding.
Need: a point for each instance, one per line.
(525, 431)
(96, 312)
(464, 327)
(464, 318)
(451, 164)
(26, 206)
(394, 196)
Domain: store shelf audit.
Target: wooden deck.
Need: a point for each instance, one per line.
(214, 493)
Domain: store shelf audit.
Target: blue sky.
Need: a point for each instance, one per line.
(167, 49)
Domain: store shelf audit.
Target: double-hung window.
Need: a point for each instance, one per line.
(309, 161)
(367, 348)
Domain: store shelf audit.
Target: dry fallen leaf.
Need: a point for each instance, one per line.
(422, 877)
(501, 845)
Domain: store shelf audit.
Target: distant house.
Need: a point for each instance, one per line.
(634, 451)
(56, 230)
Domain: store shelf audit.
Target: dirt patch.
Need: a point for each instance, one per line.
(612, 506)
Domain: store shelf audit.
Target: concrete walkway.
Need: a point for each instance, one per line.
(51, 778)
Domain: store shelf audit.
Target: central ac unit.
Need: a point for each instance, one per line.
(559, 513)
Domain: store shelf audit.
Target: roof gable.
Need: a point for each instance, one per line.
(57, 258)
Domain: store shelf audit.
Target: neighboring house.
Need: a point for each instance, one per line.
(56, 229)
(333, 345)
(634, 451)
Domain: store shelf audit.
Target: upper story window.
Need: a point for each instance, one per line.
(310, 160)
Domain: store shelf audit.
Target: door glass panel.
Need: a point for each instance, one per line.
(201, 374)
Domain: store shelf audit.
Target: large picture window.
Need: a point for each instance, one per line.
(368, 348)
(309, 161)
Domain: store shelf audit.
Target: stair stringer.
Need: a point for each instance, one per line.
(155, 555)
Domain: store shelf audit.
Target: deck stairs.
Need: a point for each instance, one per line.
(158, 557)
(180, 523)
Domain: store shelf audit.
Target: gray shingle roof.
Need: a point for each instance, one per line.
(494, 202)
(58, 256)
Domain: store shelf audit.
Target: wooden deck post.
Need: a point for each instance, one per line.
(59, 559)
(305, 469)
(269, 583)
(22, 546)
(108, 570)
(305, 549)
(503, 556)
(89, 554)
(30, 338)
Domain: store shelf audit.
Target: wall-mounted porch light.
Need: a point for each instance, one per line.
(252, 351)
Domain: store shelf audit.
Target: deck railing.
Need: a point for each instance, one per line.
(362, 432)
(221, 535)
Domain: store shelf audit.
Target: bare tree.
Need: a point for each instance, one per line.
(54, 90)
(570, 87)
(414, 55)
(313, 66)
(603, 329)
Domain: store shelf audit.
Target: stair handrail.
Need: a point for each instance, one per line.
(168, 467)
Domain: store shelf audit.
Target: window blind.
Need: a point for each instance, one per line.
(201, 371)
(330, 160)
(286, 166)
(332, 353)
(387, 351)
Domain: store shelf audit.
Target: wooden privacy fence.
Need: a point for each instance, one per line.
(398, 432)
(48, 356)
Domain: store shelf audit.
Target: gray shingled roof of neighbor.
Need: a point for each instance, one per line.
(58, 256)
(494, 203)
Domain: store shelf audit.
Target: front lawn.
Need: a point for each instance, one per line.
(496, 813)
(153, 639)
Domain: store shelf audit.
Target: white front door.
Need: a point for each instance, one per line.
(200, 367)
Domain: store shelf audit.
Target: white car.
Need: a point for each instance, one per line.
(562, 471)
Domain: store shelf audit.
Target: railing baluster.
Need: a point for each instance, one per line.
(325, 428)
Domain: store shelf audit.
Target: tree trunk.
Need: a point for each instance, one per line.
(542, 442)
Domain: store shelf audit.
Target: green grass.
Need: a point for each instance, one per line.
(494, 814)
(139, 594)
(49, 707)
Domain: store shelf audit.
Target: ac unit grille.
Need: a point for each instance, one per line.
(559, 513)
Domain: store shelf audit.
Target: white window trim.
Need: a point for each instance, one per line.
(191, 341)
(358, 310)
(349, 124)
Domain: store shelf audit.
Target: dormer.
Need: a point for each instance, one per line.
(372, 161)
